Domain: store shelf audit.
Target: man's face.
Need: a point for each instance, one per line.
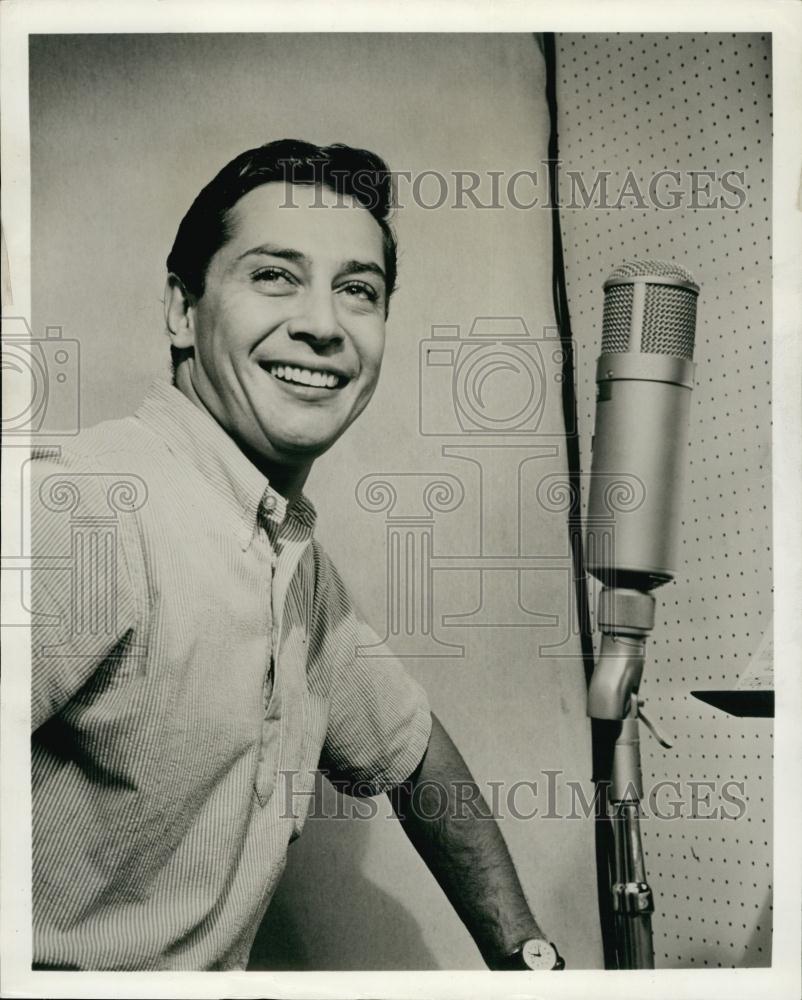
(289, 332)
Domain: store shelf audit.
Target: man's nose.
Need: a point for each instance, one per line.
(317, 321)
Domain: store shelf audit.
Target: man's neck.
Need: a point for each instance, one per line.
(286, 479)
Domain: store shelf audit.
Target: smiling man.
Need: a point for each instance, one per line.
(284, 346)
(219, 657)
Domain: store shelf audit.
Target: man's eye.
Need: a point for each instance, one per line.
(360, 290)
(274, 276)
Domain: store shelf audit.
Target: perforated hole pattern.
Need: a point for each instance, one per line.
(647, 103)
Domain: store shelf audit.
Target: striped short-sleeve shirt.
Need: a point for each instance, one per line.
(194, 662)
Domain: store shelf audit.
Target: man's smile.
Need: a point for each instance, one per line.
(300, 376)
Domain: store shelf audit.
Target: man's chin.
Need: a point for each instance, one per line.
(291, 452)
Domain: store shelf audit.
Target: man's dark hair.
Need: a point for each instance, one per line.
(347, 171)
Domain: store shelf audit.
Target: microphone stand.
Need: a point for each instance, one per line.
(626, 616)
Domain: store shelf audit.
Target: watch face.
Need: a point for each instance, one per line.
(538, 954)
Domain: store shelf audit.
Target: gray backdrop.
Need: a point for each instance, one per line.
(124, 132)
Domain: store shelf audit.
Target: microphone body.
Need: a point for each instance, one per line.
(644, 379)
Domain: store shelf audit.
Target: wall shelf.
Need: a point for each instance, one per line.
(757, 703)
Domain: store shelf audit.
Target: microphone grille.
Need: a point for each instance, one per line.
(668, 322)
(617, 319)
(651, 269)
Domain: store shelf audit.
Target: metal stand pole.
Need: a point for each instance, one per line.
(625, 618)
(632, 898)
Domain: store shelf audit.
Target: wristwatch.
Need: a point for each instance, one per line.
(536, 954)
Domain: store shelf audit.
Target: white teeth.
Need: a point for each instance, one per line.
(305, 376)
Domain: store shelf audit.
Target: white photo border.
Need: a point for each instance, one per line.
(783, 19)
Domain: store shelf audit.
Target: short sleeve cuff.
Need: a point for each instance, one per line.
(409, 744)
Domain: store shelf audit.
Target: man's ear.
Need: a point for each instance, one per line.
(179, 313)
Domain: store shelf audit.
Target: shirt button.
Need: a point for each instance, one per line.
(269, 503)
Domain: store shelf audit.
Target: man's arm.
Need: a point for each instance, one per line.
(451, 827)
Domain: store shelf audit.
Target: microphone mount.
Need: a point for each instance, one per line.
(625, 619)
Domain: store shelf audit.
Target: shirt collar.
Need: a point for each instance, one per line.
(193, 433)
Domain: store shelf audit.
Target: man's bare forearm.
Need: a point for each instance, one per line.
(452, 828)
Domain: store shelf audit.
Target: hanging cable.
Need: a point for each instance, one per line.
(600, 732)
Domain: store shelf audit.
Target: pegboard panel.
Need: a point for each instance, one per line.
(630, 108)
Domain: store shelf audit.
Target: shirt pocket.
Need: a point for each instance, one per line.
(304, 722)
(283, 742)
(271, 741)
(306, 779)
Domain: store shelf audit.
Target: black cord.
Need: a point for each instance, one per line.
(600, 734)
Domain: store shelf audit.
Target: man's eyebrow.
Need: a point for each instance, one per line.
(273, 250)
(360, 267)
